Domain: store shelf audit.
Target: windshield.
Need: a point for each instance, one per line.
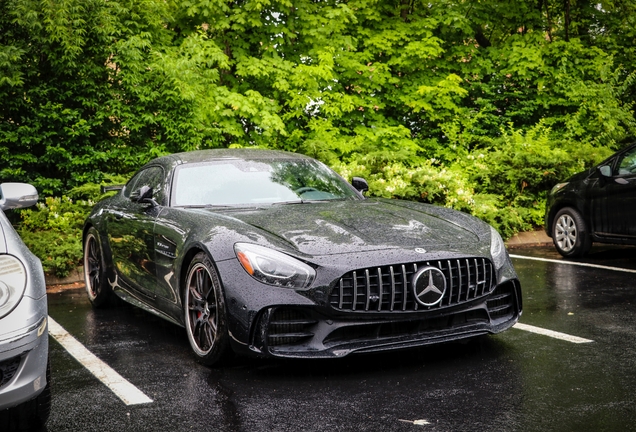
(238, 182)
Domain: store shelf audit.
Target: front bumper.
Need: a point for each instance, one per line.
(24, 353)
(325, 322)
(309, 332)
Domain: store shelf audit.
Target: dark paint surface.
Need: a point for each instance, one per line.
(512, 381)
(356, 226)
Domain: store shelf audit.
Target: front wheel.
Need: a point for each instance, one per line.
(569, 233)
(97, 287)
(204, 311)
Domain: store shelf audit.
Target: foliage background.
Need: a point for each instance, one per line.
(479, 105)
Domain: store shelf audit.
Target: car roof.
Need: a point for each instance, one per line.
(219, 154)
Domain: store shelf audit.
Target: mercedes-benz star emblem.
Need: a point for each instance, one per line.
(429, 286)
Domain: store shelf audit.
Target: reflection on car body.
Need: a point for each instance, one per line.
(598, 205)
(272, 253)
(25, 397)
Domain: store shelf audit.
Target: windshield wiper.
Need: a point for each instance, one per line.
(302, 201)
(196, 206)
(288, 202)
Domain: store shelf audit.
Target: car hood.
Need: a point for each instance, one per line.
(358, 226)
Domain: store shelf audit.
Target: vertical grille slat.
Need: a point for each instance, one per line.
(368, 280)
(415, 271)
(390, 286)
(380, 289)
(355, 290)
(450, 284)
(404, 290)
(483, 287)
(468, 277)
(461, 282)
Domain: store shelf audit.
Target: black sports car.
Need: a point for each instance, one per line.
(272, 253)
(597, 205)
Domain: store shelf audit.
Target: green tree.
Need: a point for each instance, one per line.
(413, 95)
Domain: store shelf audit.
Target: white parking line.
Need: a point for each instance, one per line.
(551, 333)
(124, 390)
(574, 263)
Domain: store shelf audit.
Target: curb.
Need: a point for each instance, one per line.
(528, 239)
(75, 276)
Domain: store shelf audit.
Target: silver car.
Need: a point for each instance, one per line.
(25, 397)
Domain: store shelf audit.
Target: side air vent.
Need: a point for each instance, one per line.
(289, 326)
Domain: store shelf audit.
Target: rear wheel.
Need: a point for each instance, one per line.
(570, 234)
(204, 311)
(99, 291)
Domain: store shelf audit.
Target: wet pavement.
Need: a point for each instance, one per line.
(513, 381)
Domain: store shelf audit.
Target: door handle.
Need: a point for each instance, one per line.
(118, 214)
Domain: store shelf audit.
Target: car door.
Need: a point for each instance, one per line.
(131, 231)
(614, 199)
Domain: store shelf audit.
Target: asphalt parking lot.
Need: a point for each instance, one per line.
(570, 368)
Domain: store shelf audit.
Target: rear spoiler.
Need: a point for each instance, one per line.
(111, 188)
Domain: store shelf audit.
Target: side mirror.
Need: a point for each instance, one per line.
(17, 195)
(605, 170)
(360, 184)
(144, 196)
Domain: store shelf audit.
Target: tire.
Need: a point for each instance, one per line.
(99, 291)
(569, 233)
(204, 311)
(30, 415)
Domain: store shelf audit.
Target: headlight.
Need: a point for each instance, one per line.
(12, 283)
(497, 249)
(557, 187)
(272, 267)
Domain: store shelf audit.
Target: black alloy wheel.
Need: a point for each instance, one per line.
(204, 310)
(97, 287)
(569, 233)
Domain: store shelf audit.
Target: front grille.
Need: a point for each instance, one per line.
(389, 288)
(288, 327)
(8, 369)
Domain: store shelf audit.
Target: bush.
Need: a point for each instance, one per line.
(503, 181)
(53, 230)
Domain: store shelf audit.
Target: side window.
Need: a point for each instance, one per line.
(130, 186)
(152, 177)
(627, 163)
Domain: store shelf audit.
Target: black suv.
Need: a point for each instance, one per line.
(598, 205)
